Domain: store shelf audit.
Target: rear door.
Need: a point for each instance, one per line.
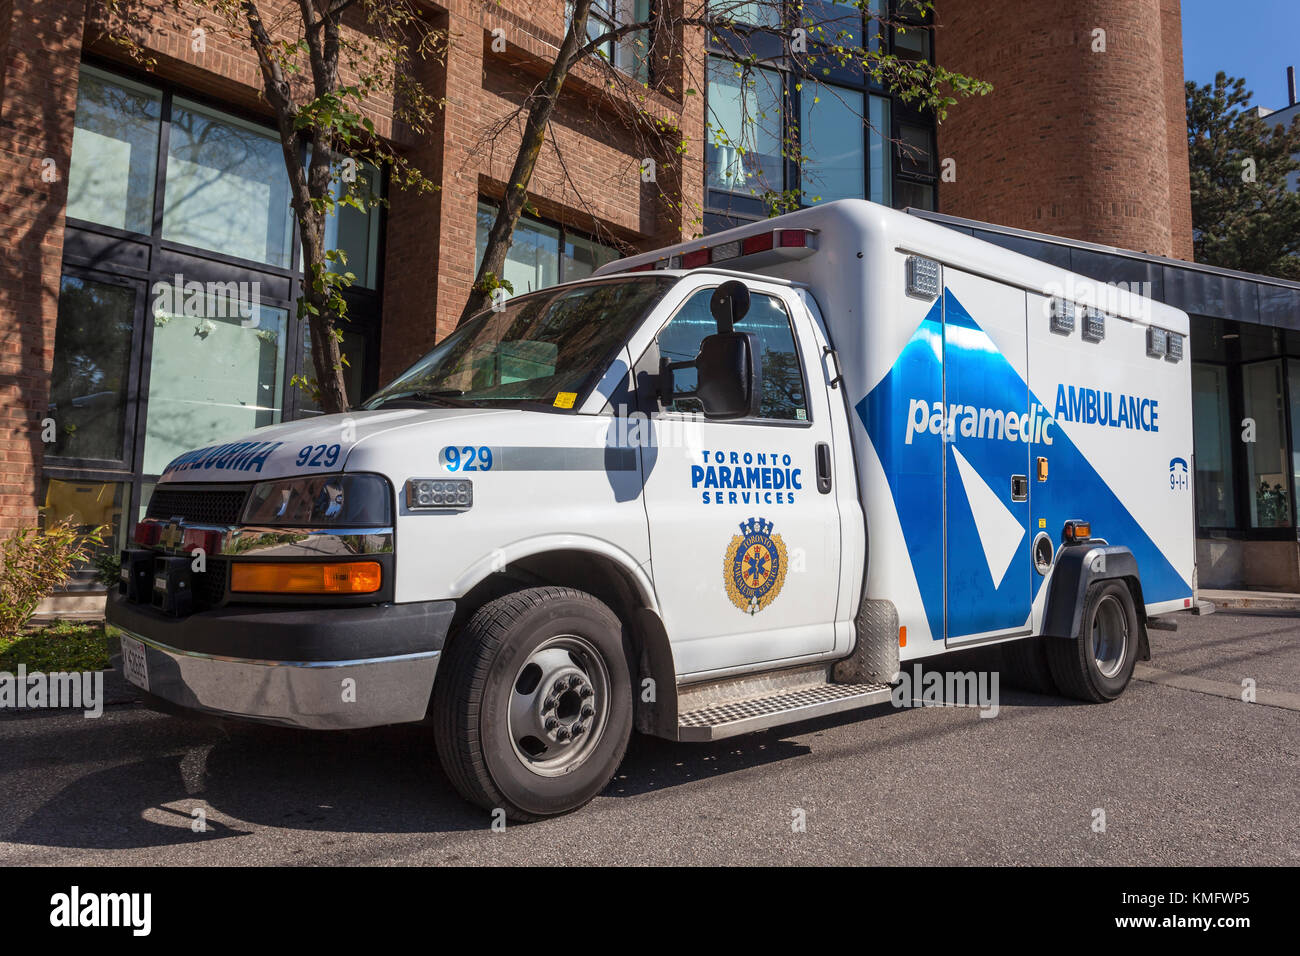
(989, 425)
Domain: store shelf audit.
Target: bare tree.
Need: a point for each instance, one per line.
(324, 63)
(633, 57)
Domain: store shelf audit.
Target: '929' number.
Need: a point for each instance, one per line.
(467, 458)
(318, 456)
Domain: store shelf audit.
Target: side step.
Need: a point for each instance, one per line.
(727, 719)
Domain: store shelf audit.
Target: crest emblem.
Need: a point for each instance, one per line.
(754, 566)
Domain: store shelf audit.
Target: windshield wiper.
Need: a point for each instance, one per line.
(442, 396)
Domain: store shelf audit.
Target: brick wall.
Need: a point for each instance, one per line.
(1072, 142)
(430, 237)
(39, 59)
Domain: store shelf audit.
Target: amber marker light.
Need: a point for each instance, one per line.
(351, 577)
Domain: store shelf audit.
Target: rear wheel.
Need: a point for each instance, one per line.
(1097, 665)
(533, 704)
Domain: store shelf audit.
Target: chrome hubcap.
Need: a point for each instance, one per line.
(558, 705)
(1109, 636)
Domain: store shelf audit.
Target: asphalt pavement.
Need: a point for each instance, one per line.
(1180, 770)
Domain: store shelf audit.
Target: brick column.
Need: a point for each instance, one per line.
(1180, 180)
(429, 259)
(1073, 141)
(38, 66)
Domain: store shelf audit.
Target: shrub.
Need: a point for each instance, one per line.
(35, 561)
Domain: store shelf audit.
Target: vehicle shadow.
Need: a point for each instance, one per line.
(384, 780)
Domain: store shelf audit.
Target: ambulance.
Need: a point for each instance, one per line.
(728, 485)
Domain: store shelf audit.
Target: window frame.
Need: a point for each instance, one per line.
(564, 232)
(101, 253)
(725, 209)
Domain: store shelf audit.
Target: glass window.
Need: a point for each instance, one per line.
(1293, 390)
(834, 24)
(227, 188)
(747, 12)
(92, 358)
(1212, 426)
(535, 259)
(88, 503)
(916, 195)
(877, 11)
(114, 152)
(830, 130)
(353, 348)
(212, 375)
(354, 231)
(547, 348)
(878, 151)
(911, 42)
(1267, 469)
(783, 388)
(916, 150)
(628, 52)
(583, 256)
(743, 151)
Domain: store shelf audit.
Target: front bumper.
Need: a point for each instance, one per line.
(320, 669)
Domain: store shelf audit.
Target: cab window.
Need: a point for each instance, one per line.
(783, 397)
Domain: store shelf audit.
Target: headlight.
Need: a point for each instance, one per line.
(320, 501)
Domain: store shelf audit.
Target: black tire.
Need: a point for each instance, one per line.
(478, 681)
(1024, 664)
(1107, 606)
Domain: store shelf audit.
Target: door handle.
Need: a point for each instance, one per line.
(1019, 487)
(823, 468)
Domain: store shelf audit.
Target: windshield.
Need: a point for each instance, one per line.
(546, 347)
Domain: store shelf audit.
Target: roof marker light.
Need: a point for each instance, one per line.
(759, 243)
(695, 258)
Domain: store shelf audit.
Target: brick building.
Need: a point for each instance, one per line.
(117, 179)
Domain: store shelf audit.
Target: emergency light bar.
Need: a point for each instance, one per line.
(766, 248)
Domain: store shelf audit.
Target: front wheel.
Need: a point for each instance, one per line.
(1096, 666)
(533, 703)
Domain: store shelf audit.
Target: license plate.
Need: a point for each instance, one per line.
(134, 662)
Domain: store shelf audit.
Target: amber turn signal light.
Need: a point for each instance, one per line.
(351, 577)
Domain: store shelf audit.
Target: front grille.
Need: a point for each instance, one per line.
(198, 506)
(210, 586)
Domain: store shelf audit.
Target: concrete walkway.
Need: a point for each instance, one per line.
(1271, 600)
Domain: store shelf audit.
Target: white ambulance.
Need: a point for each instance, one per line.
(727, 485)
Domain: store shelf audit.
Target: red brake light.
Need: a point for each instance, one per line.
(146, 533)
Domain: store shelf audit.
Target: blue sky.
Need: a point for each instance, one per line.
(1254, 39)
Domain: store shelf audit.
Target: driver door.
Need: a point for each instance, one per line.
(744, 545)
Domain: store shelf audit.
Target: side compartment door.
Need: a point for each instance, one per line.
(744, 543)
(989, 425)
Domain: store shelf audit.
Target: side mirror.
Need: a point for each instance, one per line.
(730, 376)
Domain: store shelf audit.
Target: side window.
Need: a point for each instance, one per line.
(783, 395)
